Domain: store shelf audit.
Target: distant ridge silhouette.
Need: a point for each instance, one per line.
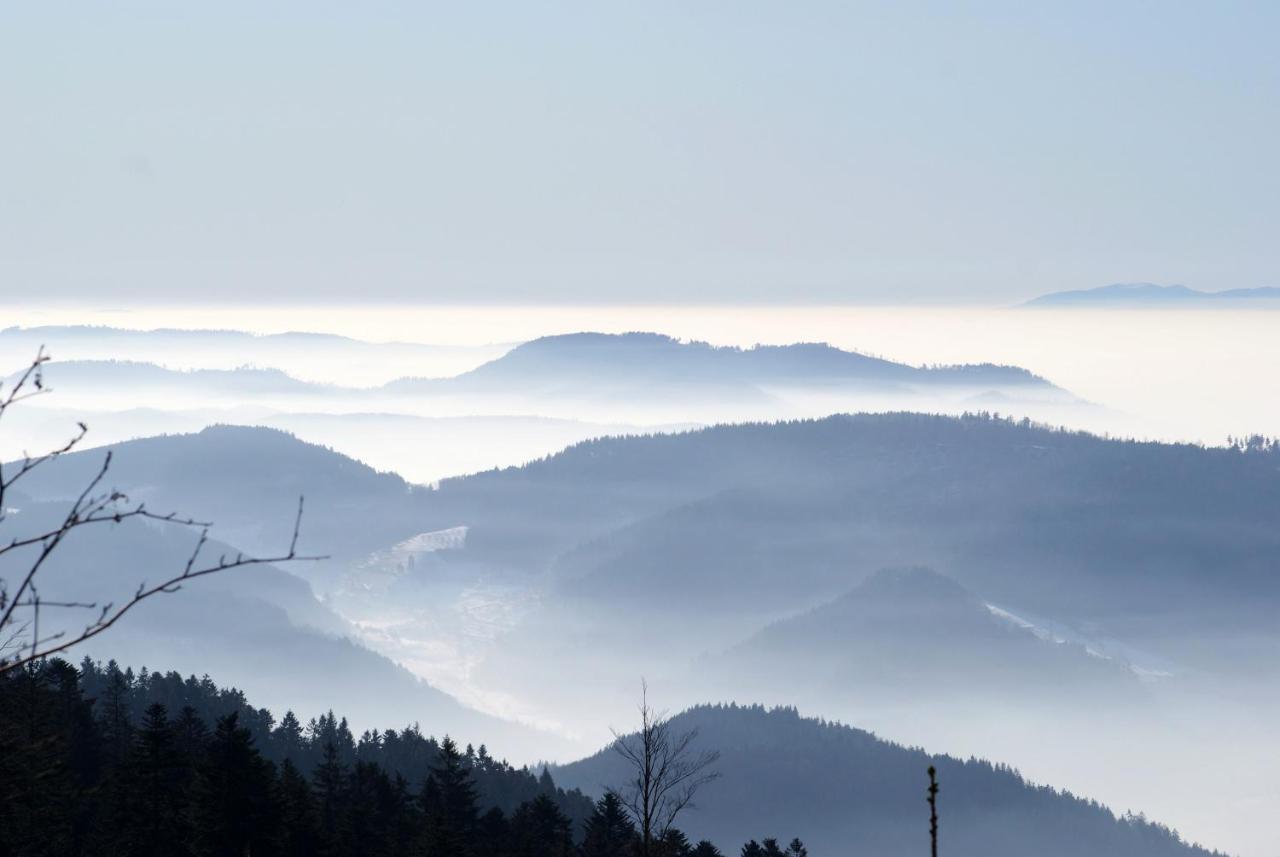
(585, 360)
(1150, 294)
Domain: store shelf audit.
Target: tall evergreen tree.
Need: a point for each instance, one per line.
(190, 734)
(493, 834)
(329, 782)
(113, 715)
(287, 738)
(449, 804)
(299, 836)
(540, 829)
(36, 818)
(235, 811)
(609, 831)
(673, 843)
(370, 809)
(158, 805)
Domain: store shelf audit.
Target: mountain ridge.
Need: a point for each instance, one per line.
(1151, 294)
(645, 358)
(844, 790)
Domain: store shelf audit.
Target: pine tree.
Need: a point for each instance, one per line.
(673, 843)
(368, 809)
(493, 833)
(235, 812)
(705, 848)
(190, 735)
(329, 782)
(449, 811)
(609, 831)
(298, 829)
(113, 715)
(36, 817)
(158, 805)
(545, 783)
(287, 738)
(540, 829)
(406, 823)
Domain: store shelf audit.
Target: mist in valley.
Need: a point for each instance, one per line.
(522, 531)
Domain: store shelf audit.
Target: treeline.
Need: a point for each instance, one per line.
(124, 695)
(102, 761)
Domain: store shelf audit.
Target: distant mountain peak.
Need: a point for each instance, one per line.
(581, 361)
(1150, 294)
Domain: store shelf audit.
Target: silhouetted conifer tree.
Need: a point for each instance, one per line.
(298, 828)
(287, 737)
(329, 785)
(158, 780)
(234, 799)
(112, 710)
(493, 834)
(673, 843)
(609, 831)
(540, 829)
(449, 804)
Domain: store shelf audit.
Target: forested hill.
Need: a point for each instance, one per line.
(916, 636)
(248, 481)
(408, 752)
(852, 793)
(104, 761)
(1014, 511)
(585, 362)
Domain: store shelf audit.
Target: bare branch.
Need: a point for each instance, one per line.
(109, 615)
(93, 506)
(666, 772)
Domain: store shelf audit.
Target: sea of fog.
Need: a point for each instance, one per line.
(1196, 375)
(1193, 375)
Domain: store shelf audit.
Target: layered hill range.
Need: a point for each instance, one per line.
(508, 408)
(984, 585)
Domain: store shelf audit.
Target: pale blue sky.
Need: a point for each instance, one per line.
(657, 152)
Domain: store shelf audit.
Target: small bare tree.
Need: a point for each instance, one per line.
(666, 772)
(22, 640)
(933, 811)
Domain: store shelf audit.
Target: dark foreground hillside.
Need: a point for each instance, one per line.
(851, 793)
(101, 760)
(104, 761)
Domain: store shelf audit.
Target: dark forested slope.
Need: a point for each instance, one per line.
(847, 792)
(105, 761)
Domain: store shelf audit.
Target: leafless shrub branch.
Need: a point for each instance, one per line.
(665, 772)
(21, 642)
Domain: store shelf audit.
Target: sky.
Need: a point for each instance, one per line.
(660, 153)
